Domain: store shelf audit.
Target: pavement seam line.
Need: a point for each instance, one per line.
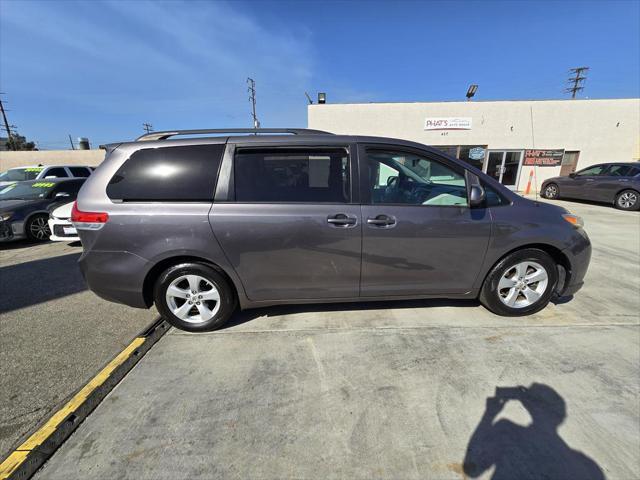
(373, 329)
(48, 430)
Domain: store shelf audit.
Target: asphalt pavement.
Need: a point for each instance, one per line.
(54, 333)
(429, 389)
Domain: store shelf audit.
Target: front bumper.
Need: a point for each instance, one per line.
(10, 231)
(62, 230)
(579, 255)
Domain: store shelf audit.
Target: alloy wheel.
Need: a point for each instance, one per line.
(551, 191)
(39, 228)
(627, 200)
(523, 284)
(193, 298)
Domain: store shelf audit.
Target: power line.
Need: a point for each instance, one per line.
(147, 127)
(252, 98)
(577, 78)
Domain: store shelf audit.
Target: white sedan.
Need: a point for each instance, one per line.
(60, 224)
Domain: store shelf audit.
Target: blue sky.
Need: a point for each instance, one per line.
(101, 69)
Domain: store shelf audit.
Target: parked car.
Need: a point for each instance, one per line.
(21, 174)
(60, 226)
(23, 206)
(199, 225)
(617, 184)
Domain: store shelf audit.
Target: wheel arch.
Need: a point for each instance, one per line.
(162, 265)
(561, 260)
(615, 197)
(30, 215)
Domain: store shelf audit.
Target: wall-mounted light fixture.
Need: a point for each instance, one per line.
(322, 97)
(473, 88)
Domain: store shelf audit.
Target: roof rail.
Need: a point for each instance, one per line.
(172, 133)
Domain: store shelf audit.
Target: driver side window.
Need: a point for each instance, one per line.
(397, 177)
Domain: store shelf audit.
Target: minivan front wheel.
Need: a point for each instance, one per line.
(194, 297)
(522, 283)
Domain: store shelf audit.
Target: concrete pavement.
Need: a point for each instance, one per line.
(54, 333)
(389, 390)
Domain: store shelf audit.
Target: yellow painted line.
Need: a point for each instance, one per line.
(20, 454)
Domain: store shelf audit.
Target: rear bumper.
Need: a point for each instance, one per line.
(579, 255)
(115, 276)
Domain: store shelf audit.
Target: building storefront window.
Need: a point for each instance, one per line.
(472, 154)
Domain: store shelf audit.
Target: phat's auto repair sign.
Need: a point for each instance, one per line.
(447, 123)
(543, 158)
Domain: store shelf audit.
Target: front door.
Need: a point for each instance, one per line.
(504, 166)
(418, 234)
(581, 184)
(290, 229)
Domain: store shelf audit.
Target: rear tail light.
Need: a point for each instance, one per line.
(87, 220)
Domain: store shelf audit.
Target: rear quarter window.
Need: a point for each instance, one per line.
(172, 174)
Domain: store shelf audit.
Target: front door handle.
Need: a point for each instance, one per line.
(383, 221)
(341, 220)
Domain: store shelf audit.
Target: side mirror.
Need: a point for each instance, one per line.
(61, 195)
(391, 180)
(477, 196)
(573, 175)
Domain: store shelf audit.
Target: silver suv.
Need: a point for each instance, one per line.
(201, 225)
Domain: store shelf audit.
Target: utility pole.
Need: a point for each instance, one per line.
(6, 124)
(147, 127)
(71, 142)
(252, 98)
(309, 98)
(577, 78)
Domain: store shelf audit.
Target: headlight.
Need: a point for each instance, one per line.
(574, 220)
(5, 216)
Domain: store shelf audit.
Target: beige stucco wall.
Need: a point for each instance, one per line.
(50, 157)
(602, 130)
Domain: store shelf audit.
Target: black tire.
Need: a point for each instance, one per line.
(227, 297)
(551, 191)
(37, 228)
(628, 200)
(490, 295)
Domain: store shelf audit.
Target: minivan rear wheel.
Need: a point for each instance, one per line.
(522, 283)
(194, 297)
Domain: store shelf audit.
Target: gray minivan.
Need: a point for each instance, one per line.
(201, 225)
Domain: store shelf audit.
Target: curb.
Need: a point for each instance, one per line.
(23, 462)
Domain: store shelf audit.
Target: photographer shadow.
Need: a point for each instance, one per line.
(533, 452)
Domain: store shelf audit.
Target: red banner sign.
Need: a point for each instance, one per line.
(543, 158)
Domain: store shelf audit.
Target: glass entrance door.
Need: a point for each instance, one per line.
(504, 166)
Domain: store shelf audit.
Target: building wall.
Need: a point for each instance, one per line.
(50, 157)
(601, 130)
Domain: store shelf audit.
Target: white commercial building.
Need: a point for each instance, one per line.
(503, 138)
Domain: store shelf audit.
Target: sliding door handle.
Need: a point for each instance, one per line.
(382, 221)
(341, 220)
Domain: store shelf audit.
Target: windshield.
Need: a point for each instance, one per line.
(26, 191)
(20, 174)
